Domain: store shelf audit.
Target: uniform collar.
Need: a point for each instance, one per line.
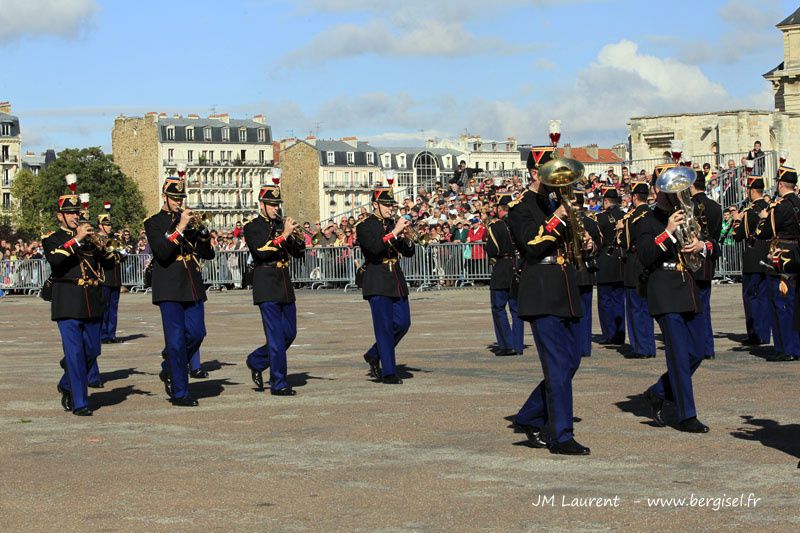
(67, 231)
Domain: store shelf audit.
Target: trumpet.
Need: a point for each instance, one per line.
(198, 222)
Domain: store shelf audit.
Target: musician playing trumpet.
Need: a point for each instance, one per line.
(178, 247)
(272, 242)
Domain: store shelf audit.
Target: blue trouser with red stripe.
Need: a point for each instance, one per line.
(81, 342)
(585, 322)
(757, 313)
(641, 331)
(611, 311)
(280, 328)
(184, 330)
(787, 340)
(550, 403)
(391, 319)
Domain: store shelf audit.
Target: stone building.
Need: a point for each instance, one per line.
(323, 179)
(486, 154)
(227, 160)
(35, 163)
(729, 135)
(10, 146)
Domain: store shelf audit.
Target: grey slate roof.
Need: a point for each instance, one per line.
(341, 148)
(216, 126)
(5, 117)
(791, 20)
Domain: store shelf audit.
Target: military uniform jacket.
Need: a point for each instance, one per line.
(177, 271)
(609, 261)
(668, 290)
(633, 266)
(502, 255)
(782, 223)
(755, 250)
(77, 274)
(586, 277)
(383, 275)
(709, 215)
(544, 289)
(272, 277)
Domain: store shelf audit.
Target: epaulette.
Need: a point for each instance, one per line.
(46, 235)
(634, 220)
(249, 220)
(591, 214)
(776, 201)
(512, 203)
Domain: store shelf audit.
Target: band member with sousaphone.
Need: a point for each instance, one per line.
(273, 241)
(383, 241)
(76, 298)
(179, 243)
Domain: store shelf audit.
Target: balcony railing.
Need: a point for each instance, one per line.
(172, 163)
(9, 159)
(226, 186)
(223, 206)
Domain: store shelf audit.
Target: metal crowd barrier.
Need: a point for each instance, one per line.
(434, 266)
(23, 275)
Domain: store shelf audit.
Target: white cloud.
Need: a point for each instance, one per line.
(750, 28)
(35, 18)
(408, 28)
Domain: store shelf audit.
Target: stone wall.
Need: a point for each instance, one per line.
(134, 143)
(300, 184)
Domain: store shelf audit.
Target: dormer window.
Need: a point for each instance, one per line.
(171, 133)
(370, 158)
(351, 158)
(5, 129)
(226, 134)
(207, 133)
(189, 133)
(494, 147)
(243, 135)
(401, 161)
(331, 158)
(387, 160)
(262, 135)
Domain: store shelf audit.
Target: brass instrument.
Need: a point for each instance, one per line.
(677, 180)
(560, 174)
(198, 222)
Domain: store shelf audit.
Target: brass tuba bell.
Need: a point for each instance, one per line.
(560, 174)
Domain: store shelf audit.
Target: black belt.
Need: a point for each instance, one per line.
(92, 282)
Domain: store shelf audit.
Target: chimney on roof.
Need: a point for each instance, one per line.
(352, 141)
(260, 119)
(593, 151)
(223, 117)
(193, 116)
(176, 115)
(568, 150)
(162, 115)
(5, 107)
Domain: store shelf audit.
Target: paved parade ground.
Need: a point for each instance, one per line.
(433, 454)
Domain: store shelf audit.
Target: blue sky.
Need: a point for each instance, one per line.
(392, 71)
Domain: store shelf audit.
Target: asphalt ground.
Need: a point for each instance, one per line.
(433, 454)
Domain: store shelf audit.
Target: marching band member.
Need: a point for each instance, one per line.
(587, 277)
(610, 291)
(76, 299)
(550, 300)
(640, 324)
(502, 257)
(178, 289)
(384, 285)
(779, 224)
(709, 215)
(673, 300)
(112, 278)
(272, 242)
(755, 286)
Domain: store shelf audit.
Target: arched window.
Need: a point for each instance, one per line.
(427, 169)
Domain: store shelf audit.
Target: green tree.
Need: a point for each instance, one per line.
(97, 174)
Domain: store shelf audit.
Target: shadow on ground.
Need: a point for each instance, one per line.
(783, 437)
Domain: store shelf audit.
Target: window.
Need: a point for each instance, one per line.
(171, 133)
(494, 147)
(370, 158)
(261, 156)
(171, 153)
(6, 177)
(6, 200)
(222, 156)
(387, 160)
(207, 133)
(190, 156)
(189, 133)
(226, 134)
(262, 135)
(401, 161)
(243, 135)
(204, 155)
(5, 129)
(242, 155)
(351, 158)
(502, 165)
(211, 156)
(331, 158)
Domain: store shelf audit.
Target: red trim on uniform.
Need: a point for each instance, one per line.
(279, 240)
(174, 236)
(388, 237)
(776, 262)
(709, 246)
(69, 244)
(552, 224)
(662, 238)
